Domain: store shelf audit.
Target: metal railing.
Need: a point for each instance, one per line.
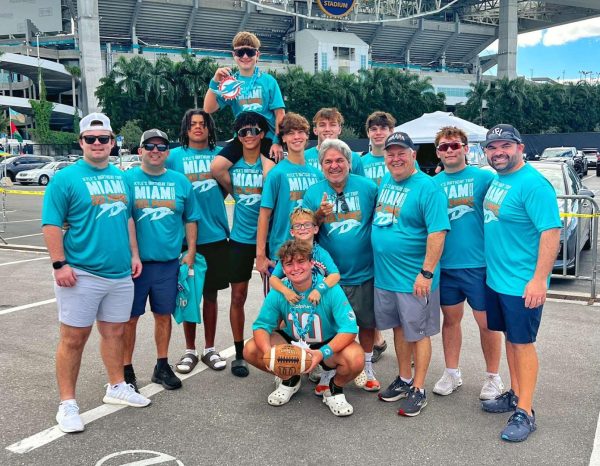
(570, 254)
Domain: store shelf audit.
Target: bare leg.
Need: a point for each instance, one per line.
(162, 334)
(348, 363)
(111, 349)
(71, 342)
(403, 353)
(379, 340)
(452, 334)
(491, 343)
(129, 340)
(189, 331)
(422, 350)
(239, 293)
(512, 367)
(526, 362)
(366, 337)
(209, 314)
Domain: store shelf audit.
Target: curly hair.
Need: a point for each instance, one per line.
(186, 124)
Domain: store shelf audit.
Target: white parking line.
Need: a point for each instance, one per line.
(595, 456)
(26, 306)
(23, 221)
(49, 435)
(24, 260)
(24, 236)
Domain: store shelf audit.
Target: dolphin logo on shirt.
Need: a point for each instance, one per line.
(114, 208)
(252, 107)
(454, 213)
(489, 216)
(382, 218)
(157, 213)
(204, 185)
(344, 226)
(250, 199)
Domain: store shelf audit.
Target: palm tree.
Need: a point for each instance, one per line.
(75, 72)
(132, 75)
(195, 74)
(160, 83)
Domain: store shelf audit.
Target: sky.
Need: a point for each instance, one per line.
(559, 51)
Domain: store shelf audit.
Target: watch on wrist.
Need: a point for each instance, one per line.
(58, 264)
(427, 274)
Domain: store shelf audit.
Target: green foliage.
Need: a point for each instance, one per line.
(132, 133)
(4, 122)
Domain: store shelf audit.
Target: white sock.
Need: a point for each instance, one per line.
(70, 401)
(120, 384)
(453, 372)
(368, 356)
(491, 374)
(192, 351)
(406, 380)
(208, 350)
(422, 390)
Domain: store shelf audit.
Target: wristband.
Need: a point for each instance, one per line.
(214, 85)
(276, 140)
(322, 288)
(326, 351)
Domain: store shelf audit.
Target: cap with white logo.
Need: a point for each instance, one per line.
(94, 121)
(154, 133)
(502, 132)
(399, 139)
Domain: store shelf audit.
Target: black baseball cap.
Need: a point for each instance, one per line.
(502, 132)
(399, 139)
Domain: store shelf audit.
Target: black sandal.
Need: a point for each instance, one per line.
(239, 368)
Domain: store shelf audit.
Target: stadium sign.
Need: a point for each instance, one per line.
(336, 8)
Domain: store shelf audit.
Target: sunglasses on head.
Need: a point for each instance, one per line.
(100, 139)
(250, 51)
(150, 147)
(450, 145)
(253, 131)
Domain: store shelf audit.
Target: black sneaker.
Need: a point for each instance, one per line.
(413, 405)
(504, 403)
(166, 377)
(397, 389)
(130, 378)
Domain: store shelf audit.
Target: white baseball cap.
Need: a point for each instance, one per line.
(94, 121)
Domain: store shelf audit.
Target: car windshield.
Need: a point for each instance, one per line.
(554, 176)
(51, 165)
(555, 153)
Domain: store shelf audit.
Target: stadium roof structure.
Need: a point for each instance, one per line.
(457, 29)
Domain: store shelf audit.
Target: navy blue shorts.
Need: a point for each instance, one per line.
(506, 313)
(159, 282)
(456, 285)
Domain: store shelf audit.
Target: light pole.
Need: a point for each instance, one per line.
(37, 43)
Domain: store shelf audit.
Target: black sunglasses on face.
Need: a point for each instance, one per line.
(244, 132)
(340, 200)
(251, 52)
(150, 147)
(101, 139)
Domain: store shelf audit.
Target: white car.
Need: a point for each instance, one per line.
(41, 176)
(128, 161)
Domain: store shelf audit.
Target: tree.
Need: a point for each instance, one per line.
(75, 72)
(194, 76)
(131, 133)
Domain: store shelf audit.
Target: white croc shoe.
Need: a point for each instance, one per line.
(282, 394)
(337, 404)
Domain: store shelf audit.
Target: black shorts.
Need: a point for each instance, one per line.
(217, 269)
(241, 261)
(234, 150)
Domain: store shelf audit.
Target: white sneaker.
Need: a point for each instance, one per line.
(315, 374)
(282, 394)
(337, 404)
(124, 394)
(492, 387)
(447, 384)
(68, 418)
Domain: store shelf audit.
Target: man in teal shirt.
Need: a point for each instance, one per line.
(164, 206)
(522, 238)
(193, 159)
(409, 228)
(93, 264)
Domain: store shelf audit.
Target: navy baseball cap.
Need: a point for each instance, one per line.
(502, 133)
(399, 139)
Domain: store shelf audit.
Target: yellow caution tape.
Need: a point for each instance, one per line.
(26, 193)
(566, 214)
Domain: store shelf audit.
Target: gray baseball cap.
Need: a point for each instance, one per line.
(154, 133)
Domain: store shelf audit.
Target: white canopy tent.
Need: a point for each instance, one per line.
(423, 129)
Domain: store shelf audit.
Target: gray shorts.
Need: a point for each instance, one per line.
(418, 317)
(361, 298)
(94, 298)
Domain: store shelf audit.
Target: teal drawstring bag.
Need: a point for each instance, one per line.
(190, 284)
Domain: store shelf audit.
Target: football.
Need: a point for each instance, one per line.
(285, 361)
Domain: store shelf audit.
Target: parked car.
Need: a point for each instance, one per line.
(591, 154)
(126, 161)
(41, 176)
(569, 155)
(567, 182)
(14, 165)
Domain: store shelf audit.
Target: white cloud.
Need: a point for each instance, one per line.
(529, 39)
(560, 35)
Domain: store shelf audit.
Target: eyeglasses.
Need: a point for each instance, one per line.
(340, 200)
(150, 147)
(302, 226)
(100, 139)
(250, 51)
(449, 145)
(245, 132)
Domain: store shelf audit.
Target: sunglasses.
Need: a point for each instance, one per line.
(450, 145)
(251, 52)
(100, 139)
(302, 226)
(245, 132)
(341, 204)
(150, 147)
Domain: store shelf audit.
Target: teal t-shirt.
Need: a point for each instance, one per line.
(517, 208)
(465, 190)
(347, 235)
(283, 191)
(260, 94)
(247, 182)
(406, 212)
(162, 205)
(324, 264)
(332, 315)
(96, 204)
(312, 158)
(195, 165)
(374, 166)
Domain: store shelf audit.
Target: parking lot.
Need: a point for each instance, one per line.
(219, 419)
